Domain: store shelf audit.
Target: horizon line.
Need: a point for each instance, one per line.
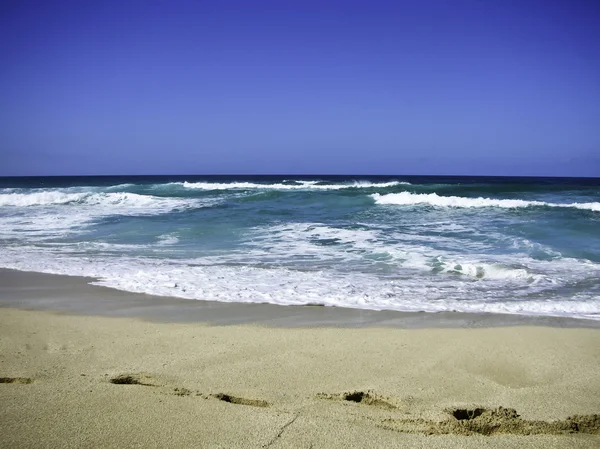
(296, 175)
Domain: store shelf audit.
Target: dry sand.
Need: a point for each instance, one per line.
(89, 381)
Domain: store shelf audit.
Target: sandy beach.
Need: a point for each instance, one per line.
(83, 380)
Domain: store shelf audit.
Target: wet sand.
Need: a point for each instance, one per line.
(336, 378)
(75, 295)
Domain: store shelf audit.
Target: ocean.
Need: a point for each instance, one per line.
(527, 246)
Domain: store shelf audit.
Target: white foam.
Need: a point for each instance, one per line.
(301, 185)
(433, 199)
(371, 250)
(533, 247)
(103, 203)
(124, 200)
(45, 215)
(167, 239)
(42, 226)
(120, 186)
(283, 286)
(589, 206)
(43, 198)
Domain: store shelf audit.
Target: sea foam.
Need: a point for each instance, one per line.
(330, 242)
(433, 199)
(115, 200)
(292, 287)
(299, 185)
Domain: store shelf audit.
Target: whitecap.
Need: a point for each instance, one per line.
(433, 199)
(167, 239)
(303, 185)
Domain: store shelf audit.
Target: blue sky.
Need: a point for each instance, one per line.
(400, 87)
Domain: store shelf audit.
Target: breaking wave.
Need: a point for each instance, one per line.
(325, 240)
(112, 199)
(298, 185)
(433, 199)
(284, 286)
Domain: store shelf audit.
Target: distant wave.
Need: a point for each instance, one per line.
(433, 199)
(121, 187)
(299, 185)
(112, 199)
(38, 198)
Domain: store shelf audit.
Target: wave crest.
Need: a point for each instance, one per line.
(301, 185)
(39, 198)
(433, 199)
(115, 200)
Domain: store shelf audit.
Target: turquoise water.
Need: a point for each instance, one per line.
(512, 245)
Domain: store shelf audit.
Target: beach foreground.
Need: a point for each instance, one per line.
(83, 381)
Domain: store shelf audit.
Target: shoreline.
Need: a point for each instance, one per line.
(75, 295)
(160, 372)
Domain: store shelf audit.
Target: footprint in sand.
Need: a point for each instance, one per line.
(482, 421)
(241, 401)
(134, 379)
(16, 380)
(150, 381)
(360, 397)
